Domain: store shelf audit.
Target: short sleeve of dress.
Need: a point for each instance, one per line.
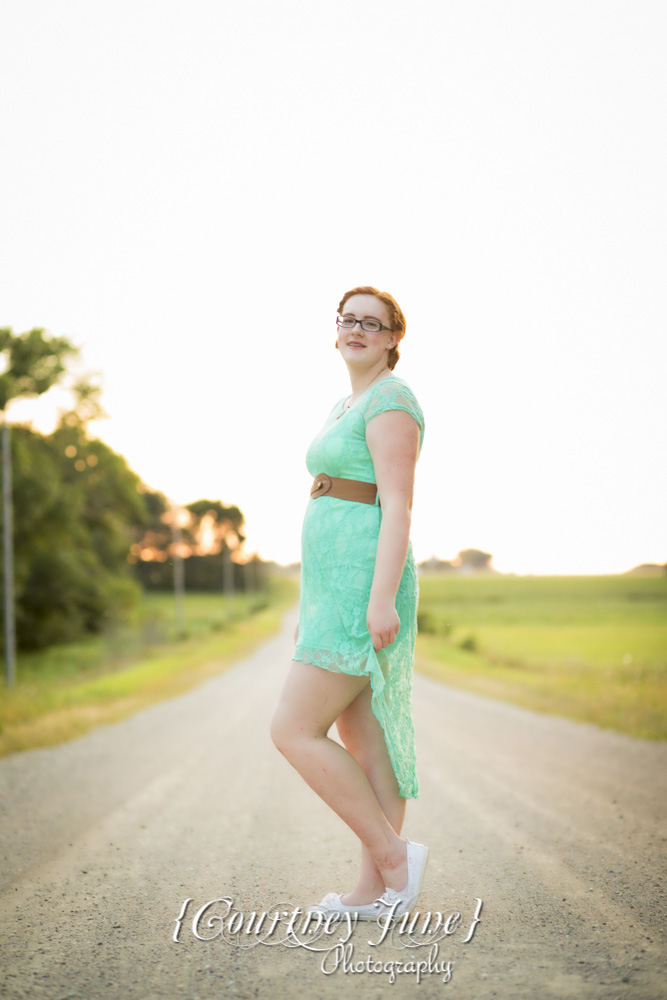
(393, 394)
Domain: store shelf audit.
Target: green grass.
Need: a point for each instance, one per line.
(63, 691)
(591, 648)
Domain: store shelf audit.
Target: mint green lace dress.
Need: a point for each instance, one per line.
(338, 548)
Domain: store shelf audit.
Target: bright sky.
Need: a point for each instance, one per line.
(189, 188)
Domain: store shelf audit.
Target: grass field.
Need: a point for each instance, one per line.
(65, 690)
(592, 648)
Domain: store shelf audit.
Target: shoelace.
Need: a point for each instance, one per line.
(387, 899)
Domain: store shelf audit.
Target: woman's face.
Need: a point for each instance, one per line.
(361, 346)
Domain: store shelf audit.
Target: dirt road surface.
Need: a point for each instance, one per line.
(558, 828)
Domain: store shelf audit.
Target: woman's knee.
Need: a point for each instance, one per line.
(288, 732)
(281, 730)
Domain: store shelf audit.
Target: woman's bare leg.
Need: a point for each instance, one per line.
(362, 735)
(312, 699)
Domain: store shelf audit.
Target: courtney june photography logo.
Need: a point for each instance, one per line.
(339, 939)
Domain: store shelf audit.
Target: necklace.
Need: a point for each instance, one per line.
(348, 402)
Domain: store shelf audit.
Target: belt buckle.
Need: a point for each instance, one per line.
(321, 485)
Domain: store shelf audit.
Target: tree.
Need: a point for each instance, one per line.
(79, 504)
(209, 539)
(215, 535)
(214, 527)
(32, 363)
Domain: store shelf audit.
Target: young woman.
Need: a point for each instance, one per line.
(357, 625)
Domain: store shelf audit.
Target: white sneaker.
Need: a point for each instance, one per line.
(406, 898)
(332, 903)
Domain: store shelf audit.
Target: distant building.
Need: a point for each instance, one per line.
(467, 563)
(648, 569)
(434, 565)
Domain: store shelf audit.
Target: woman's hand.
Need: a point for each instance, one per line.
(383, 623)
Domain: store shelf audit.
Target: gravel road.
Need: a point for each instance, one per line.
(557, 827)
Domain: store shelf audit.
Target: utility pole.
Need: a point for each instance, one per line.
(8, 555)
(227, 571)
(179, 574)
(22, 373)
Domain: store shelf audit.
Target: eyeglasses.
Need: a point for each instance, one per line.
(368, 324)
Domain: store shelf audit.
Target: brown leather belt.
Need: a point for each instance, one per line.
(343, 489)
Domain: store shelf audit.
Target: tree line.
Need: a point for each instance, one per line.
(88, 534)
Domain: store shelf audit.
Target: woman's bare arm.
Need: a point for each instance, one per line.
(393, 441)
